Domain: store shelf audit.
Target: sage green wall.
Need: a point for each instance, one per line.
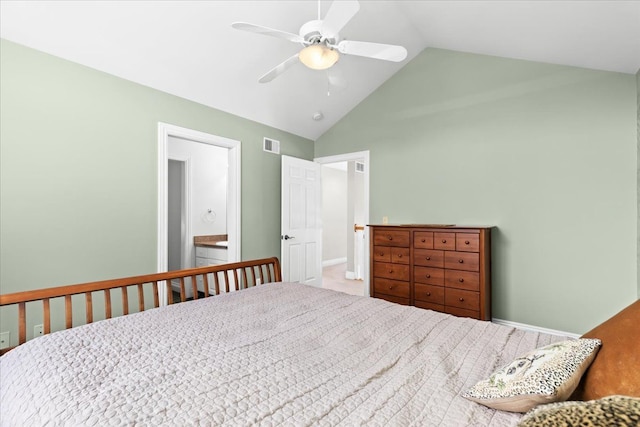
(79, 169)
(638, 176)
(546, 153)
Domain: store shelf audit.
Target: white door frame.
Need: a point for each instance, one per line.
(233, 197)
(360, 156)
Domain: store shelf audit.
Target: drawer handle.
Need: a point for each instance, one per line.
(423, 240)
(428, 294)
(466, 242)
(381, 253)
(428, 276)
(389, 237)
(399, 255)
(390, 271)
(391, 287)
(460, 261)
(461, 299)
(428, 258)
(460, 280)
(444, 240)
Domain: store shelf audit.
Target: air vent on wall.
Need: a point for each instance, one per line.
(360, 167)
(271, 145)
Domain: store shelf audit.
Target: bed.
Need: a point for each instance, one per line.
(267, 353)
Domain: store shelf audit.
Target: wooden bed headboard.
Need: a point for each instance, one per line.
(216, 278)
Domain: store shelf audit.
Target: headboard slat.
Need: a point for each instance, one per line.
(88, 307)
(107, 303)
(68, 312)
(22, 315)
(140, 297)
(46, 309)
(125, 300)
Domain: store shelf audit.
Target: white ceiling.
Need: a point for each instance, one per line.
(188, 48)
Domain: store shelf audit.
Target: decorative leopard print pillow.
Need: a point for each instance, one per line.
(547, 374)
(613, 411)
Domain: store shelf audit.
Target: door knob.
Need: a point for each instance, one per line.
(287, 237)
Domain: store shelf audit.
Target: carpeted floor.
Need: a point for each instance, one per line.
(333, 277)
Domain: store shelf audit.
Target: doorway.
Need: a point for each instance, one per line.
(215, 211)
(345, 213)
(177, 215)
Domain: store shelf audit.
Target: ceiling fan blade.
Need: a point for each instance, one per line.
(340, 12)
(252, 28)
(387, 52)
(279, 69)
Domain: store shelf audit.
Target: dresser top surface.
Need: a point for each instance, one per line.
(440, 226)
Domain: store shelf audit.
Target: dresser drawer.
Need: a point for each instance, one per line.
(462, 299)
(215, 253)
(391, 298)
(391, 287)
(423, 240)
(466, 242)
(459, 279)
(391, 238)
(391, 271)
(382, 253)
(400, 255)
(429, 293)
(462, 312)
(444, 241)
(468, 261)
(428, 258)
(429, 275)
(429, 306)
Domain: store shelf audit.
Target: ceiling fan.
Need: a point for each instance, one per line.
(321, 41)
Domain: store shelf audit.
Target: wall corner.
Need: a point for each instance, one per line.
(638, 182)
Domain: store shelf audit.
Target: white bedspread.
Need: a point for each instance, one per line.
(278, 354)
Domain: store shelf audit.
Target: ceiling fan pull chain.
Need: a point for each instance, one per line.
(319, 9)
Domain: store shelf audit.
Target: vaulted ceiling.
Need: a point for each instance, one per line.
(188, 48)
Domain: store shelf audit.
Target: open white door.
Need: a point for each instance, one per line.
(301, 228)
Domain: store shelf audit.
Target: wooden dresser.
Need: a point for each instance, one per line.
(438, 267)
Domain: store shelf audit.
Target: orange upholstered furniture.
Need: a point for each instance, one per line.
(616, 369)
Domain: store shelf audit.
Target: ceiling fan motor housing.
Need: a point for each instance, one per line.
(311, 33)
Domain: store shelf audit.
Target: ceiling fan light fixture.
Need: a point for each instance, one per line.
(318, 56)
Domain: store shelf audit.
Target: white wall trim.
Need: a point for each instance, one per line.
(361, 156)
(348, 274)
(334, 261)
(532, 328)
(233, 199)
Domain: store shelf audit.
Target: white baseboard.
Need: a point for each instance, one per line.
(334, 261)
(533, 328)
(350, 275)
